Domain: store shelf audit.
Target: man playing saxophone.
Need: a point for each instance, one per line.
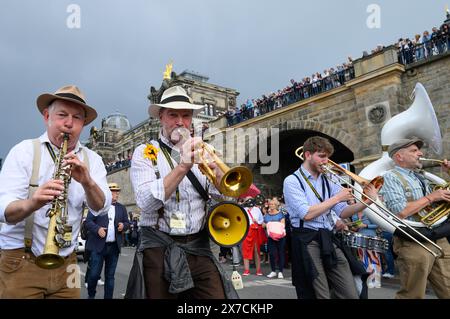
(406, 192)
(31, 190)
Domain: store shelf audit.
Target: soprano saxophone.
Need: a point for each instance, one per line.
(59, 232)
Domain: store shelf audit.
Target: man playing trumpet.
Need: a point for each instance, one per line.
(177, 259)
(407, 192)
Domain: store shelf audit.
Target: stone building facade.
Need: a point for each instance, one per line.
(116, 139)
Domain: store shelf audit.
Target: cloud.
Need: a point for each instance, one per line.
(122, 47)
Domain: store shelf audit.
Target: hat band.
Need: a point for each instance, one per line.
(71, 96)
(176, 98)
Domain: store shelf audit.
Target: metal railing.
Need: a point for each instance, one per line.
(299, 92)
(424, 51)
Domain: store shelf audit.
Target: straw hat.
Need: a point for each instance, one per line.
(174, 97)
(67, 93)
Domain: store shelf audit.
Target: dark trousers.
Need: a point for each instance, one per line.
(207, 280)
(87, 260)
(276, 253)
(109, 256)
(389, 255)
(224, 251)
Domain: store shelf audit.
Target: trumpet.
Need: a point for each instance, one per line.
(390, 217)
(235, 181)
(423, 159)
(227, 222)
(437, 211)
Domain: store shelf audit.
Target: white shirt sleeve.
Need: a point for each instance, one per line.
(97, 171)
(15, 176)
(258, 215)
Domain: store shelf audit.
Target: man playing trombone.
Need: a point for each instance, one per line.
(318, 263)
(172, 192)
(407, 192)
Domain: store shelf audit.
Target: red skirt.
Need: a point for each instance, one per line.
(249, 243)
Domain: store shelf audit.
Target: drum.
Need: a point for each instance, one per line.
(355, 240)
(380, 245)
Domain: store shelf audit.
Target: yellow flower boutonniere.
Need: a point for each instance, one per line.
(151, 153)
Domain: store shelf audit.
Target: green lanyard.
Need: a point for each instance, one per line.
(312, 187)
(328, 216)
(167, 155)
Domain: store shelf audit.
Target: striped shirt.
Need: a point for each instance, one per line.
(149, 192)
(298, 201)
(393, 191)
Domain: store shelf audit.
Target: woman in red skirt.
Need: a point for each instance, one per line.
(251, 244)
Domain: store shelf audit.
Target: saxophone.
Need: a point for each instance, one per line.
(59, 232)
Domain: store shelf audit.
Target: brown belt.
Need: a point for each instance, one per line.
(21, 253)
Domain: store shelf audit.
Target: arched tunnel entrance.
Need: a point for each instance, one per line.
(289, 141)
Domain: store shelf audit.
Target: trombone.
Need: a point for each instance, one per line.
(377, 182)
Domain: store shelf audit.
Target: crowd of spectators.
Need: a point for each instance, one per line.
(112, 166)
(296, 91)
(424, 46)
(409, 51)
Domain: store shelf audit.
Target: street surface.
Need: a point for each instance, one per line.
(255, 287)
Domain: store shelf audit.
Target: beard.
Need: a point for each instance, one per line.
(419, 165)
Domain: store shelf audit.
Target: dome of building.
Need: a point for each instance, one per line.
(117, 121)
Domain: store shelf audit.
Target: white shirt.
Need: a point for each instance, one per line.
(111, 234)
(14, 183)
(149, 191)
(256, 213)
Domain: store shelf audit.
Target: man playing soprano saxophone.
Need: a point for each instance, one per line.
(25, 200)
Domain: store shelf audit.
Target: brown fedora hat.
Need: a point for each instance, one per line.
(69, 93)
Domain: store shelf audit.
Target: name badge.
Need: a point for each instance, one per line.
(177, 223)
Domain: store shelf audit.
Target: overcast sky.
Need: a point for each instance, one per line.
(122, 46)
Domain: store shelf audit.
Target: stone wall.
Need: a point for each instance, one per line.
(435, 76)
(126, 197)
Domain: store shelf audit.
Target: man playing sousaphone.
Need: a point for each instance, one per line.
(406, 192)
(172, 192)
